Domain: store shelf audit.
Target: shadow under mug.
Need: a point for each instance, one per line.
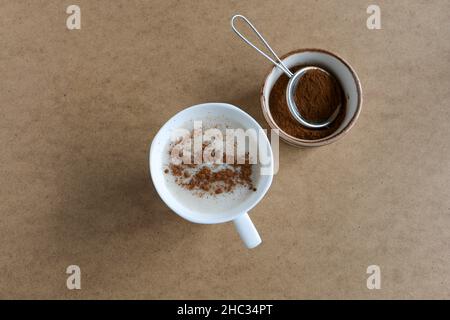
(236, 212)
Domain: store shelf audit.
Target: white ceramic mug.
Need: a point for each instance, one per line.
(236, 212)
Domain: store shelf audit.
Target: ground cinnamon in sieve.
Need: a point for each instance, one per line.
(317, 96)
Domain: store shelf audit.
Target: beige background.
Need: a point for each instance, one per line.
(79, 110)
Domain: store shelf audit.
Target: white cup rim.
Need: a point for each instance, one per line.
(178, 207)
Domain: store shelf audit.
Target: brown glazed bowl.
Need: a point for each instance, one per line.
(341, 70)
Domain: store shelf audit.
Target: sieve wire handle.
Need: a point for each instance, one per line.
(278, 63)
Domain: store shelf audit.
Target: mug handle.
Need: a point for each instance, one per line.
(247, 231)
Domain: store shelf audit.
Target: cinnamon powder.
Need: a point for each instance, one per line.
(211, 178)
(316, 97)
